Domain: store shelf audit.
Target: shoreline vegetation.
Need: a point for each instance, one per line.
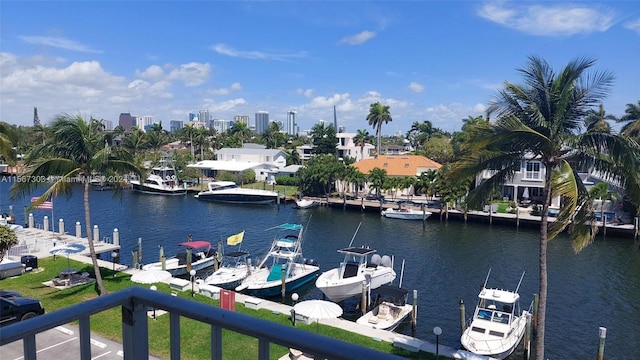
(109, 323)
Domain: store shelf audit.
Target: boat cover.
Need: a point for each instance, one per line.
(197, 244)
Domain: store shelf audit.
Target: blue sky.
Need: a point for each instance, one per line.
(428, 60)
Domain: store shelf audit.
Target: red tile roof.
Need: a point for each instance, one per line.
(398, 165)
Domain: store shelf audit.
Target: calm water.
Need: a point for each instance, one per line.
(445, 262)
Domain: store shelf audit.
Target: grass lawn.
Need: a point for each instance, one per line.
(195, 336)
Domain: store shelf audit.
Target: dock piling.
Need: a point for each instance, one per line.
(46, 223)
(363, 303)
(462, 317)
(536, 300)
(96, 233)
(603, 336)
(414, 312)
(116, 237)
(61, 226)
(527, 338)
(78, 229)
(284, 283)
(31, 220)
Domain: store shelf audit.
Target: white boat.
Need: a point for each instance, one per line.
(406, 214)
(346, 280)
(234, 267)
(498, 323)
(177, 265)
(162, 180)
(390, 310)
(230, 192)
(282, 266)
(306, 203)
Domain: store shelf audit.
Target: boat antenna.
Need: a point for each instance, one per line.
(519, 282)
(401, 274)
(486, 279)
(354, 234)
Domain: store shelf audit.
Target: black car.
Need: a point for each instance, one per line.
(14, 309)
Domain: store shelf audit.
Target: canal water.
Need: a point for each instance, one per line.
(444, 262)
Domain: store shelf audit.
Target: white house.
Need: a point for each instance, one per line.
(346, 148)
(266, 163)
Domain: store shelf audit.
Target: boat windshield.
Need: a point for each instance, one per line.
(492, 314)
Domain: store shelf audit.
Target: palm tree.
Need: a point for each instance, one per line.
(597, 120)
(378, 114)
(632, 117)
(361, 139)
(601, 191)
(134, 141)
(542, 118)
(6, 142)
(293, 157)
(74, 152)
(377, 177)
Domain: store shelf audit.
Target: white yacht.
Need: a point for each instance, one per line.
(346, 280)
(406, 214)
(162, 180)
(498, 323)
(230, 192)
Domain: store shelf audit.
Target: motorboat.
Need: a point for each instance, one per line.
(390, 309)
(230, 192)
(347, 280)
(498, 323)
(406, 214)
(283, 269)
(306, 203)
(203, 257)
(162, 180)
(234, 267)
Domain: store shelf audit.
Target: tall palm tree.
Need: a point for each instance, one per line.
(378, 114)
(597, 120)
(543, 118)
(75, 150)
(6, 142)
(632, 118)
(360, 139)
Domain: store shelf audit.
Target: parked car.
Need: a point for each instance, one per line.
(14, 309)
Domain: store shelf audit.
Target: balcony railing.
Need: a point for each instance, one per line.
(136, 300)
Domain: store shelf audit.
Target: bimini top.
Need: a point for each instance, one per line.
(502, 296)
(359, 251)
(289, 226)
(197, 244)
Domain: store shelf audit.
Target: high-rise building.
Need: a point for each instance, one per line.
(203, 117)
(292, 125)
(262, 121)
(244, 119)
(175, 125)
(126, 121)
(36, 119)
(145, 122)
(108, 124)
(221, 126)
(192, 116)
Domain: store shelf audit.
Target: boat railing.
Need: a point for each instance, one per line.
(134, 303)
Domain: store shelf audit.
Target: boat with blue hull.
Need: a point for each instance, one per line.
(283, 264)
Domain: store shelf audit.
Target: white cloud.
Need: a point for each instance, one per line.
(358, 38)
(326, 102)
(226, 91)
(153, 72)
(633, 26)
(58, 42)
(228, 105)
(416, 87)
(305, 92)
(224, 49)
(191, 74)
(552, 20)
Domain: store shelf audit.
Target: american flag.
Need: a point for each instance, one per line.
(47, 205)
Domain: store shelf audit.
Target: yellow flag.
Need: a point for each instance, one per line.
(235, 239)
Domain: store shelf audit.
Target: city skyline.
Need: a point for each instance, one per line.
(435, 61)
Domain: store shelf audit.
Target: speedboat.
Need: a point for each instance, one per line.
(498, 324)
(234, 267)
(177, 265)
(283, 268)
(230, 192)
(406, 214)
(346, 280)
(390, 310)
(305, 203)
(161, 180)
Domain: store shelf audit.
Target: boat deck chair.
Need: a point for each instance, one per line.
(383, 311)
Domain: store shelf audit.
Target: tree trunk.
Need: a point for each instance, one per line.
(92, 249)
(542, 296)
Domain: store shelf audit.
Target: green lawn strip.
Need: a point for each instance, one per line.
(194, 335)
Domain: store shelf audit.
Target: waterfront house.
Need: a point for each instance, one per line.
(266, 163)
(398, 166)
(346, 147)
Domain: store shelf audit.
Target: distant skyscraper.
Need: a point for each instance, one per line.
(262, 121)
(192, 116)
(108, 124)
(292, 125)
(335, 119)
(36, 119)
(242, 119)
(126, 121)
(175, 125)
(221, 126)
(203, 116)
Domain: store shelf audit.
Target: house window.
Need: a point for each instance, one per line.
(532, 171)
(384, 165)
(406, 166)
